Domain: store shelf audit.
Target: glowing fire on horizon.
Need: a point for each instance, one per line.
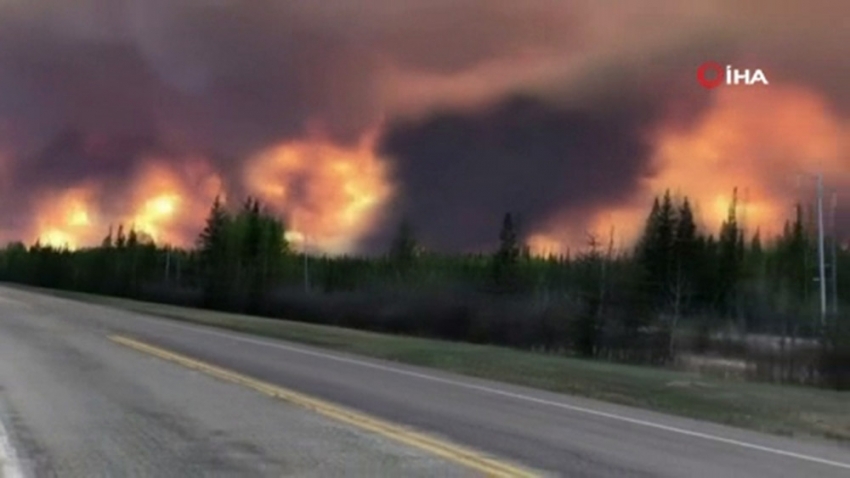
(756, 140)
(330, 195)
(759, 141)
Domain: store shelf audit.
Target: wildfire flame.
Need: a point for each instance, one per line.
(69, 224)
(169, 201)
(759, 140)
(330, 195)
(764, 141)
(165, 202)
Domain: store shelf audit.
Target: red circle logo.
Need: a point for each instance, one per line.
(705, 69)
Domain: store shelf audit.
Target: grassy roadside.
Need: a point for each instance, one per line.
(785, 410)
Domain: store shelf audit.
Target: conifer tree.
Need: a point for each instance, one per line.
(656, 252)
(403, 248)
(506, 260)
(213, 250)
(730, 256)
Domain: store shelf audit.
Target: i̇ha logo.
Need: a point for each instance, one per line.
(711, 75)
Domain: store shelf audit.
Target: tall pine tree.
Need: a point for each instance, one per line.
(656, 253)
(506, 260)
(730, 259)
(213, 251)
(403, 249)
(685, 260)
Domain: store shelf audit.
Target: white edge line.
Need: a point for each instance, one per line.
(9, 466)
(517, 396)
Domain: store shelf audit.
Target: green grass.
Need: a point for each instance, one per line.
(779, 409)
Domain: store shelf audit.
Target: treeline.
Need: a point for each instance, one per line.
(675, 292)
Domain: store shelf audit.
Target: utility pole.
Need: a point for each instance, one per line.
(834, 254)
(821, 251)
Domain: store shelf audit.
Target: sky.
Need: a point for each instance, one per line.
(347, 116)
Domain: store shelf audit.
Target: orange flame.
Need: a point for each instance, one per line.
(166, 203)
(69, 224)
(764, 141)
(759, 140)
(331, 195)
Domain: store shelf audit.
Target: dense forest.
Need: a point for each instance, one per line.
(680, 291)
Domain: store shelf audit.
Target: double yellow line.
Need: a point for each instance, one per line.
(471, 459)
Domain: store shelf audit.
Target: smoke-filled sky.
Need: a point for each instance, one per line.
(346, 116)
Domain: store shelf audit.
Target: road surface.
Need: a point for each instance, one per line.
(93, 391)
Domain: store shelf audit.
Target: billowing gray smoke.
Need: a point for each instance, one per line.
(534, 107)
(220, 78)
(462, 171)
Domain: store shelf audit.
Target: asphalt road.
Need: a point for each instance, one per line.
(75, 403)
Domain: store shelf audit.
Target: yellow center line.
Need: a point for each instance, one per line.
(452, 452)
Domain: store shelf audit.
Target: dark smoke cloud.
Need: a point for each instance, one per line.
(462, 171)
(583, 146)
(234, 76)
(576, 146)
(223, 79)
(531, 155)
(226, 78)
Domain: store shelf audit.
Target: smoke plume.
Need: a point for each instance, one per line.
(346, 116)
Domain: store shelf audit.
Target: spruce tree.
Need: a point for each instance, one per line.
(506, 260)
(685, 244)
(730, 256)
(755, 257)
(793, 251)
(656, 252)
(685, 257)
(120, 238)
(211, 239)
(212, 244)
(403, 248)
(107, 241)
(132, 238)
